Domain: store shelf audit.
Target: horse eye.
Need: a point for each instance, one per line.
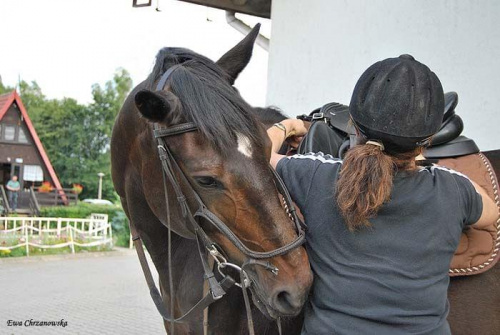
(208, 182)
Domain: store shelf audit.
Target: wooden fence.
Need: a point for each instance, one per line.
(55, 197)
(49, 233)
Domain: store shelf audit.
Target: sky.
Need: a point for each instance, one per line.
(66, 46)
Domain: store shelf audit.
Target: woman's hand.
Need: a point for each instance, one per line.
(290, 130)
(296, 129)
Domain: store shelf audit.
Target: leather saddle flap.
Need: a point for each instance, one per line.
(338, 116)
(321, 138)
(478, 249)
(460, 146)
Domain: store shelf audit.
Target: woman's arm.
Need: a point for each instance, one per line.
(490, 209)
(289, 129)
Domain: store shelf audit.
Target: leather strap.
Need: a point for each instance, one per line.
(226, 283)
(166, 76)
(175, 130)
(211, 263)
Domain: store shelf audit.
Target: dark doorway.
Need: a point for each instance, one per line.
(5, 169)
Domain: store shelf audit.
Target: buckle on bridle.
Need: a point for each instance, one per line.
(217, 256)
(162, 152)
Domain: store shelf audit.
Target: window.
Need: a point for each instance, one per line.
(22, 136)
(9, 132)
(33, 173)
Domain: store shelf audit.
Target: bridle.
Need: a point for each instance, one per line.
(217, 289)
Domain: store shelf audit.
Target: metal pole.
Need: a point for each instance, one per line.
(99, 192)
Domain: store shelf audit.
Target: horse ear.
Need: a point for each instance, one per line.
(236, 59)
(155, 106)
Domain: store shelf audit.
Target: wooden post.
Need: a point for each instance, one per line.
(91, 226)
(58, 226)
(72, 245)
(110, 231)
(27, 244)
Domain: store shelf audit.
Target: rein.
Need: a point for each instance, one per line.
(217, 289)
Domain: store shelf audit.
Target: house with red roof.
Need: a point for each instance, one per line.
(21, 151)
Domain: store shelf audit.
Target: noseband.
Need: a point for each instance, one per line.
(205, 243)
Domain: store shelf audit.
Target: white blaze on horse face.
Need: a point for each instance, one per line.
(244, 145)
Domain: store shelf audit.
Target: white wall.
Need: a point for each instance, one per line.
(319, 48)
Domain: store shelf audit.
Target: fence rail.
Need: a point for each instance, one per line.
(50, 233)
(4, 199)
(55, 197)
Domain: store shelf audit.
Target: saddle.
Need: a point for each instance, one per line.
(331, 132)
(335, 133)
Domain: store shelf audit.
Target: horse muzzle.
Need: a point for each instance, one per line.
(281, 293)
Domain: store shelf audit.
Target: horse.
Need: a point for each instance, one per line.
(190, 162)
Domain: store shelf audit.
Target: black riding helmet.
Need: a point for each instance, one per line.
(399, 102)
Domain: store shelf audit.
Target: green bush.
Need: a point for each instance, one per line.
(81, 210)
(121, 229)
(116, 217)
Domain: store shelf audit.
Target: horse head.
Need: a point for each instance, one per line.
(224, 163)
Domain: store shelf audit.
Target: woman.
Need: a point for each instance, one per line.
(381, 230)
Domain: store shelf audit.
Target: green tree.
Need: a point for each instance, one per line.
(77, 137)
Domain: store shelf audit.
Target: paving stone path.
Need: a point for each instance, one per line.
(102, 293)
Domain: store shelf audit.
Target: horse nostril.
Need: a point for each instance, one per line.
(287, 303)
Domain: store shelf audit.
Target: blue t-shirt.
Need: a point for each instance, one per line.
(13, 184)
(391, 278)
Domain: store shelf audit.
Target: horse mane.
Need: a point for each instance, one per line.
(207, 98)
(269, 115)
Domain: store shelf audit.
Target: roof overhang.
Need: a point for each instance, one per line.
(261, 8)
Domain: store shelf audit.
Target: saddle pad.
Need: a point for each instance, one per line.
(478, 250)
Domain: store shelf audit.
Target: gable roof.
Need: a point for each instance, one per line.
(6, 100)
